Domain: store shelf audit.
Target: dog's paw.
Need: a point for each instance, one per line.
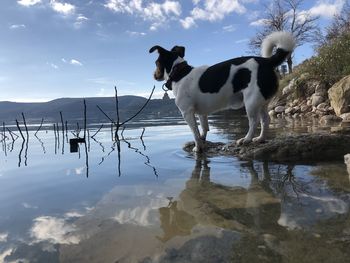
(198, 148)
(243, 141)
(259, 139)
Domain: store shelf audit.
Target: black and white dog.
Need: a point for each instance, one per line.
(235, 83)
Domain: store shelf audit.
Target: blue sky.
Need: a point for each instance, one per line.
(68, 48)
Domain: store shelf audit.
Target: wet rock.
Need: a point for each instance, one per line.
(329, 119)
(297, 148)
(339, 96)
(280, 109)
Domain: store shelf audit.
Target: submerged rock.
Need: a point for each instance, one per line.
(295, 148)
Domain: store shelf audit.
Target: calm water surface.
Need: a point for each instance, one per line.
(161, 204)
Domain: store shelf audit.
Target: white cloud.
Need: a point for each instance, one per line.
(20, 26)
(62, 8)
(3, 237)
(326, 9)
(54, 230)
(52, 65)
(172, 7)
(157, 13)
(5, 253)
(135, 34)
(29, 206)
(188, 22)
(212, 10)
(73, 214)
(80, 20)
(229, 28)
(73, 62)
(240, 41)
(323, 8)
(28, 2)
(259, 22)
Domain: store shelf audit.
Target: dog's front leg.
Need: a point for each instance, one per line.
(203, 119)
(191, 121)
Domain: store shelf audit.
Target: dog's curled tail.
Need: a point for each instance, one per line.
(284, 43)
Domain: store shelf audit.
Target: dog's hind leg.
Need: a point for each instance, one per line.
(264, 122)
(203, 119)
(191, 121)
(253, 115)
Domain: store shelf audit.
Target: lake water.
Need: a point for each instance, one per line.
(154, 202)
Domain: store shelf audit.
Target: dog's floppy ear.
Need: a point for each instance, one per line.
(179, 50)
(158, 48)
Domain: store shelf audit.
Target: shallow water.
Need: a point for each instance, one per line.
(161, 204)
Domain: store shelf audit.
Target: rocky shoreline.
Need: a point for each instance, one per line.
(304, 148)
(303, 97)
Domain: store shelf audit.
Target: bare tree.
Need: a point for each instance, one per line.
(340, 24)
(285, 15)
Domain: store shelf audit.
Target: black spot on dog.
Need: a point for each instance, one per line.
(267, 80)
(216, 76)
(241, 79)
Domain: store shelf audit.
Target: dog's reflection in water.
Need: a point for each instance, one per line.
(206, 203)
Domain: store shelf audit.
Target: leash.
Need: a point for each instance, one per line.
(164, 87)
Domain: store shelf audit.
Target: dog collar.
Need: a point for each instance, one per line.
(179, 71)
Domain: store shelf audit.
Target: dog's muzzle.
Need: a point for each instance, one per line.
(158, 75)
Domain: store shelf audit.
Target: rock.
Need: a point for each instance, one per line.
(316, 99)
(304, 108)
(322, 106)
(296, 109)
(309, 102)
(272, 113)
(304, 148)
(347, 162)
(288, 110)
(329, 119)
(345, 116)
(321, 89)
(279, 109)
(339, 96)
(289, 88)
(295, 102)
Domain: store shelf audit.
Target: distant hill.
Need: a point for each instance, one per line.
(73, 109)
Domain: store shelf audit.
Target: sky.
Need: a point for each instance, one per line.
(74, 48)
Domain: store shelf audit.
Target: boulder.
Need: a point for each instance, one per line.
(339, 96)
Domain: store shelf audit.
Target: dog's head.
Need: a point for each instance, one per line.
(166, 60)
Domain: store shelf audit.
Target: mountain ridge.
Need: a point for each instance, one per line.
(73, 109)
